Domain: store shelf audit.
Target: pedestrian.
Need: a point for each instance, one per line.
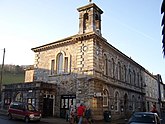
(88, 115)
(80, 113)
(71, 114)
(154, 110)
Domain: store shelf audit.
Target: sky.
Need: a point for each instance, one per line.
(131, 26)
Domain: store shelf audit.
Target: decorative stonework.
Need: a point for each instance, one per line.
(95, 67)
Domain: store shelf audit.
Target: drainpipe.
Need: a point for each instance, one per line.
(159, 92)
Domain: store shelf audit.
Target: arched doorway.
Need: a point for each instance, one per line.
(19, 97)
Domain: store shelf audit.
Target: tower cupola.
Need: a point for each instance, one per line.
(90, 19)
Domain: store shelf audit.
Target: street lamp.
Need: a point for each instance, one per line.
(2, 66)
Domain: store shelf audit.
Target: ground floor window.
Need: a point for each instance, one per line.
(66, 101)
(7, 101)
(31, 101)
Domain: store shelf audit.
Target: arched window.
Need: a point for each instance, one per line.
(125, 101)
(130, 76)
(124, 73)
(97, 21)
(133, 102)
(85, 21)
(105, 98)
(119, 71)
(96, 17)
(139, 102)
(105, 65)
(113, 68)
(138, 79)
(19, 97)
(116, 101)
(59, 63)
(134, 77)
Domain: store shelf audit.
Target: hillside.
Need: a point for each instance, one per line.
(13, 74)
(9, 78)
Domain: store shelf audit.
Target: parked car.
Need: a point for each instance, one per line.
(144, 118)
(23, 111)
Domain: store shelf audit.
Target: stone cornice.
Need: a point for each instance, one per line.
(65, 41)
(90, 6)
(52, 45)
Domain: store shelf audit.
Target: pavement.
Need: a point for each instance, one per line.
(52, 120)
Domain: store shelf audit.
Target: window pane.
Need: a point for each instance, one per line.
(59, 63)
(52, 67)
(66, 64)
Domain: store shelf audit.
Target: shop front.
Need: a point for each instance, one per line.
(66, 101)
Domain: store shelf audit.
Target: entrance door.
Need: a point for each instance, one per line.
(47, 107)
(66, 101)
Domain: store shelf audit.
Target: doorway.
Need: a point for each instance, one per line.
(48, 107)
(66, 101)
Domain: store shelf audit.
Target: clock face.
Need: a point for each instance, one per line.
(85, 48)
(97, 51)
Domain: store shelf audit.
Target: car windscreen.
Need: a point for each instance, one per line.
(143, 118)
(30, 107)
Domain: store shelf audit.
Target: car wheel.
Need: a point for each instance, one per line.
(26, 119)
(9, 116)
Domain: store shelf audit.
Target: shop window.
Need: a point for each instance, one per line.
(67, 100)
(31, 101)
(7, 101)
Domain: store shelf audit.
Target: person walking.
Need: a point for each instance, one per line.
(88, 115)
(72, 114)
(80, 113)
(154, 110)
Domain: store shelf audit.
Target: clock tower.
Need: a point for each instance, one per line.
(90, 19)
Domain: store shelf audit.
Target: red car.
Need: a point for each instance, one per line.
(23, 111)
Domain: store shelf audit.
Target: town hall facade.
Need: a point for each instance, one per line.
(86, 68)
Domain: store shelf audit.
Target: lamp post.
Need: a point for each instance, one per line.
(2, 66)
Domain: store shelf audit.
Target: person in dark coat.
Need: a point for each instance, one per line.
(88, 115)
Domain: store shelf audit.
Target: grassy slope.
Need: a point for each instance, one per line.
(9, 78)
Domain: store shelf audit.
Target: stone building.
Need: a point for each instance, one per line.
(152, 92)
(35, 93)
(85, 68)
